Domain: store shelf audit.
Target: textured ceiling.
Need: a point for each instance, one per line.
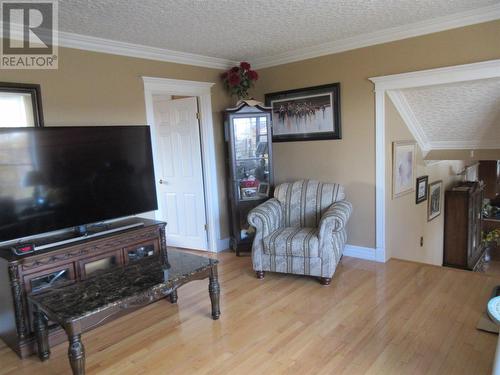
(464, 115)
(242, 29)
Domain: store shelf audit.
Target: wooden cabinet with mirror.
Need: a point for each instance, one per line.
(247, 129)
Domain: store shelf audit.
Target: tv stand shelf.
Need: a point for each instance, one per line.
(21, 275)
(96, 230)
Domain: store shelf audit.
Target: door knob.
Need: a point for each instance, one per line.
(163, 182)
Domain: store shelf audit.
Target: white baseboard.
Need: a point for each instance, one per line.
(361, 252)
(222, 244)
(380, 255)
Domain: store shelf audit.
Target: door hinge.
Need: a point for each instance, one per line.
(198, 115)
(206, 227)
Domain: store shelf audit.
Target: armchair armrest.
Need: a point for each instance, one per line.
(266, 217)
(335, 218)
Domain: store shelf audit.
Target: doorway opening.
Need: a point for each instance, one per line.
(432, 140)
(180, 115)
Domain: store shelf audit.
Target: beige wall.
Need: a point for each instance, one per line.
(351, 161)
(406, 220)
(100, 89)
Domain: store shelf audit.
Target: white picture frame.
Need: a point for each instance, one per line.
(403, 168)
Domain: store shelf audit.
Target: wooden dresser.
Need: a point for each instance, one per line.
(462, 225)
(21, 275)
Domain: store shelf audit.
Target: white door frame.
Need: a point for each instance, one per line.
(383, 85)
(166, 86)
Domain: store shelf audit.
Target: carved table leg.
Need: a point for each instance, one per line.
(214, 290)
(76, 354)
(19, 297)
(42, 334)
(173, 296)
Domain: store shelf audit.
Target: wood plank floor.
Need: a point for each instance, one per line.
(393, 318)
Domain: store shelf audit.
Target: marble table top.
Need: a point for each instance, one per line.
(78, 299)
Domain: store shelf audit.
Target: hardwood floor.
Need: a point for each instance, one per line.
(393, 318)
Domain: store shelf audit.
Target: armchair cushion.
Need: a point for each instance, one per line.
(298, 242)
(305, 201)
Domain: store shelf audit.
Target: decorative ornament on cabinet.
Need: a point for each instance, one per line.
(239, 79)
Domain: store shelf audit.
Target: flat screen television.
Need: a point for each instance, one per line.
(56, 178)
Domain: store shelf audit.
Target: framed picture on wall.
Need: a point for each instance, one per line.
(403, 168)
(421, 189)
(307, 114)
(435, 193)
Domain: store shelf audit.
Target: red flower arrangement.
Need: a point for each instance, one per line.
(239, 79)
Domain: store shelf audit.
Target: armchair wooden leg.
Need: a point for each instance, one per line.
(325, 280)
(260, 274)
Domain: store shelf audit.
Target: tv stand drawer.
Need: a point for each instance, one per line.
(88, 248)
(141, 250)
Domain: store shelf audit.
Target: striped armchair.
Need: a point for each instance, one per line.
(301, 230)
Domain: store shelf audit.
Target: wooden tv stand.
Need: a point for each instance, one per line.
(20, 275)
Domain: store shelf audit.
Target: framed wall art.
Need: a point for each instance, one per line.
(403, 168)
(307, 114)
(421, 189)
(435, 193)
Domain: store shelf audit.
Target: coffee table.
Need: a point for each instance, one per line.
(81, 306)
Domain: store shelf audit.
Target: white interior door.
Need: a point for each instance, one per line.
(180, 175)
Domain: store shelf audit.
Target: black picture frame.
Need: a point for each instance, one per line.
(418, 197)
(36, 98)
(434, 206)
(320, 95)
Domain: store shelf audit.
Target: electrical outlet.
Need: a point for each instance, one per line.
(421, 241)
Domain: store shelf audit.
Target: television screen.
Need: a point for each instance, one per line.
(61, 177)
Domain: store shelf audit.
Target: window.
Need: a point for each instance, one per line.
(16, 110)
(20, 105)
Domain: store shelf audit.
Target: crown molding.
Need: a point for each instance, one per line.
(113, 47)
(451, 21)
(411, 121)
(450, 74)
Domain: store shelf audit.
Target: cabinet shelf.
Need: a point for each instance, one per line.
(256, 158)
